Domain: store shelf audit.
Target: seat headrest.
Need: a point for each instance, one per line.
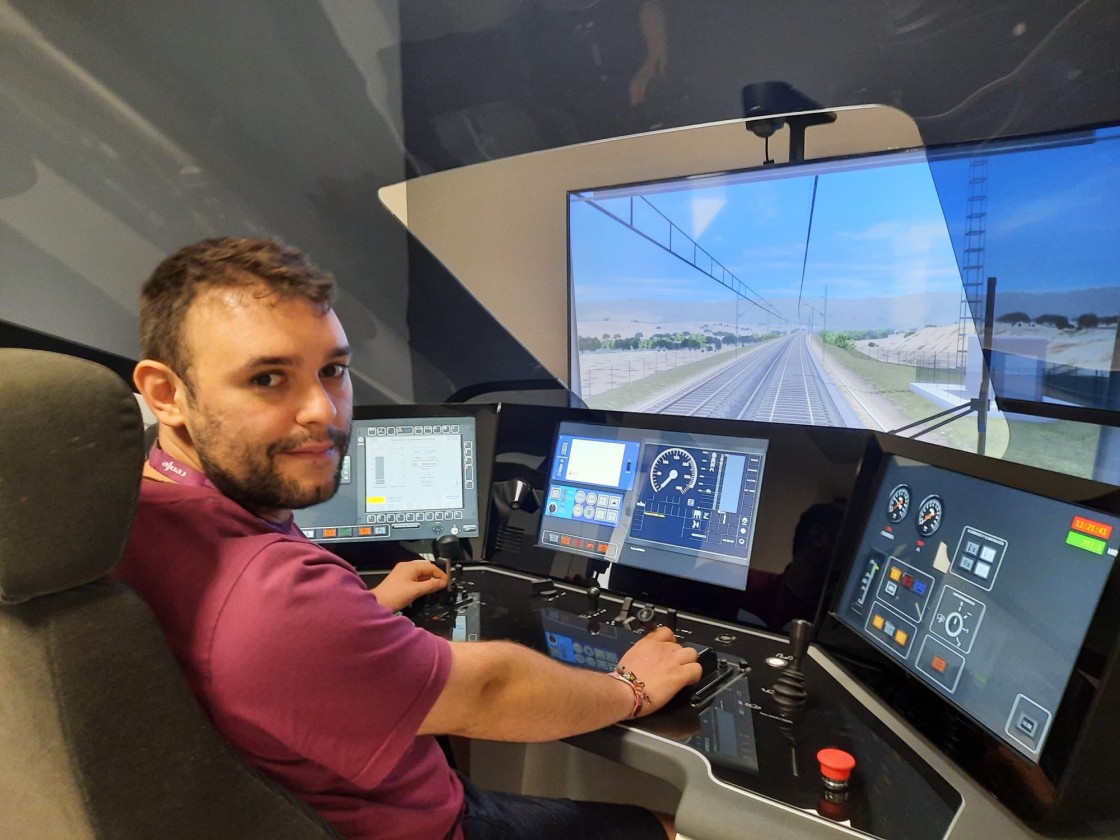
(71, 455)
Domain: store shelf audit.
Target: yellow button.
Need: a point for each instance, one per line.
(896, 573)
(877, 622)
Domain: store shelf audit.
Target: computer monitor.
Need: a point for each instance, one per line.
(880, 253)
(678, 503)
(995, 596)
(409, 473)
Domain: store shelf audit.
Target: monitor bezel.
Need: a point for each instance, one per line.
(527, 436)
(563, 426)
(1027, 787)
(378, 553)
(864, 158)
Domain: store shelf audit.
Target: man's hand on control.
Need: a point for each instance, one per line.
(663, 665)
(408, 581)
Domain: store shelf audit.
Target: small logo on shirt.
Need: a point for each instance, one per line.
(169, 466)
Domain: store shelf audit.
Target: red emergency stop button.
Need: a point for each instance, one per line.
(836, 764)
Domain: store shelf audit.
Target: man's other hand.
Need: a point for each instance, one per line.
(408, 581)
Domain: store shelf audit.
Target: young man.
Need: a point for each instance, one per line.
(319, 684)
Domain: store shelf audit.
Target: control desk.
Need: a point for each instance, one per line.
(744, 745)
(898, 640)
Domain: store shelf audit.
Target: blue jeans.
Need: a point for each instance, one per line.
(509, 816)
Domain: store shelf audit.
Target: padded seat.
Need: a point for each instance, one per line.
(100, 737)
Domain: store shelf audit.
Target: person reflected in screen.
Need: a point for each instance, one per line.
(316, 680)
(777, 598)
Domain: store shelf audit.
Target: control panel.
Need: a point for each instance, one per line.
(765, 716)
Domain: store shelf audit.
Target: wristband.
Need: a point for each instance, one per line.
(639, 687)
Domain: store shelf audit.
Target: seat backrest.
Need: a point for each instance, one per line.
(100, 737)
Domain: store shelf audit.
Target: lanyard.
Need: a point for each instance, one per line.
(177, 472)
(189, 476)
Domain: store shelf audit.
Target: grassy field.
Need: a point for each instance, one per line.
(1057, 445)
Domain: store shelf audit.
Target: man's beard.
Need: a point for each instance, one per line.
(258, 486)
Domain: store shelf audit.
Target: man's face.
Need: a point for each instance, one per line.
(270, 402)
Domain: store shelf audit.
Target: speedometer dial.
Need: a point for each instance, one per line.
(673, 469)
(929, 515)
(899, 503)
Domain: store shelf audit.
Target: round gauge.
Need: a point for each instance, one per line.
(673, 469)
(929, 515)
(898, 505)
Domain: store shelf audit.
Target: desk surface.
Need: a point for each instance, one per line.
(739, 755)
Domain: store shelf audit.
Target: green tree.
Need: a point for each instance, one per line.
(1088, 321)
(1059, 321)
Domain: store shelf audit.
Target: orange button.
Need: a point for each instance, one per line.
(901, 636)
(365, 531)
(565, 539)
(939, 664)
(330, 532)
(877, 622)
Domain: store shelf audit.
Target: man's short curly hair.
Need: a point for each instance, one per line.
(166, 296)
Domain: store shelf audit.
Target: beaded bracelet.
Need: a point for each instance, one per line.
(639, 687)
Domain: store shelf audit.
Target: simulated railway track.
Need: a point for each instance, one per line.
(777, 382)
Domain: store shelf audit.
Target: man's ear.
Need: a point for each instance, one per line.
(162, 390)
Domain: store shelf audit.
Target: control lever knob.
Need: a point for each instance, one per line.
(624, 610)
(448, 555)
(447, 547)
(593, 594)
(800, 633)
(646, 616)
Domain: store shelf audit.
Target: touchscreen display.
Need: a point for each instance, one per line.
(403, 478)
(983, 591)
(678, 503)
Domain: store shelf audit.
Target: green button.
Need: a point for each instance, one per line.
(1086, 542)
(346, 532)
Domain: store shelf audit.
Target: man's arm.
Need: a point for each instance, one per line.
(501, 691)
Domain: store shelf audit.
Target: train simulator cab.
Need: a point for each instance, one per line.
(899, 638)
(831, 394)
(949, 673)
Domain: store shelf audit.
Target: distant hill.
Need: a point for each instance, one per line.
(903, 312)
(899, 313)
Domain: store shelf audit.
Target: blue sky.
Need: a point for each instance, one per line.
(1053, 222)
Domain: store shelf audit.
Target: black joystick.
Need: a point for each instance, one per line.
(593, 593)
(789, 688)
(448, 558)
